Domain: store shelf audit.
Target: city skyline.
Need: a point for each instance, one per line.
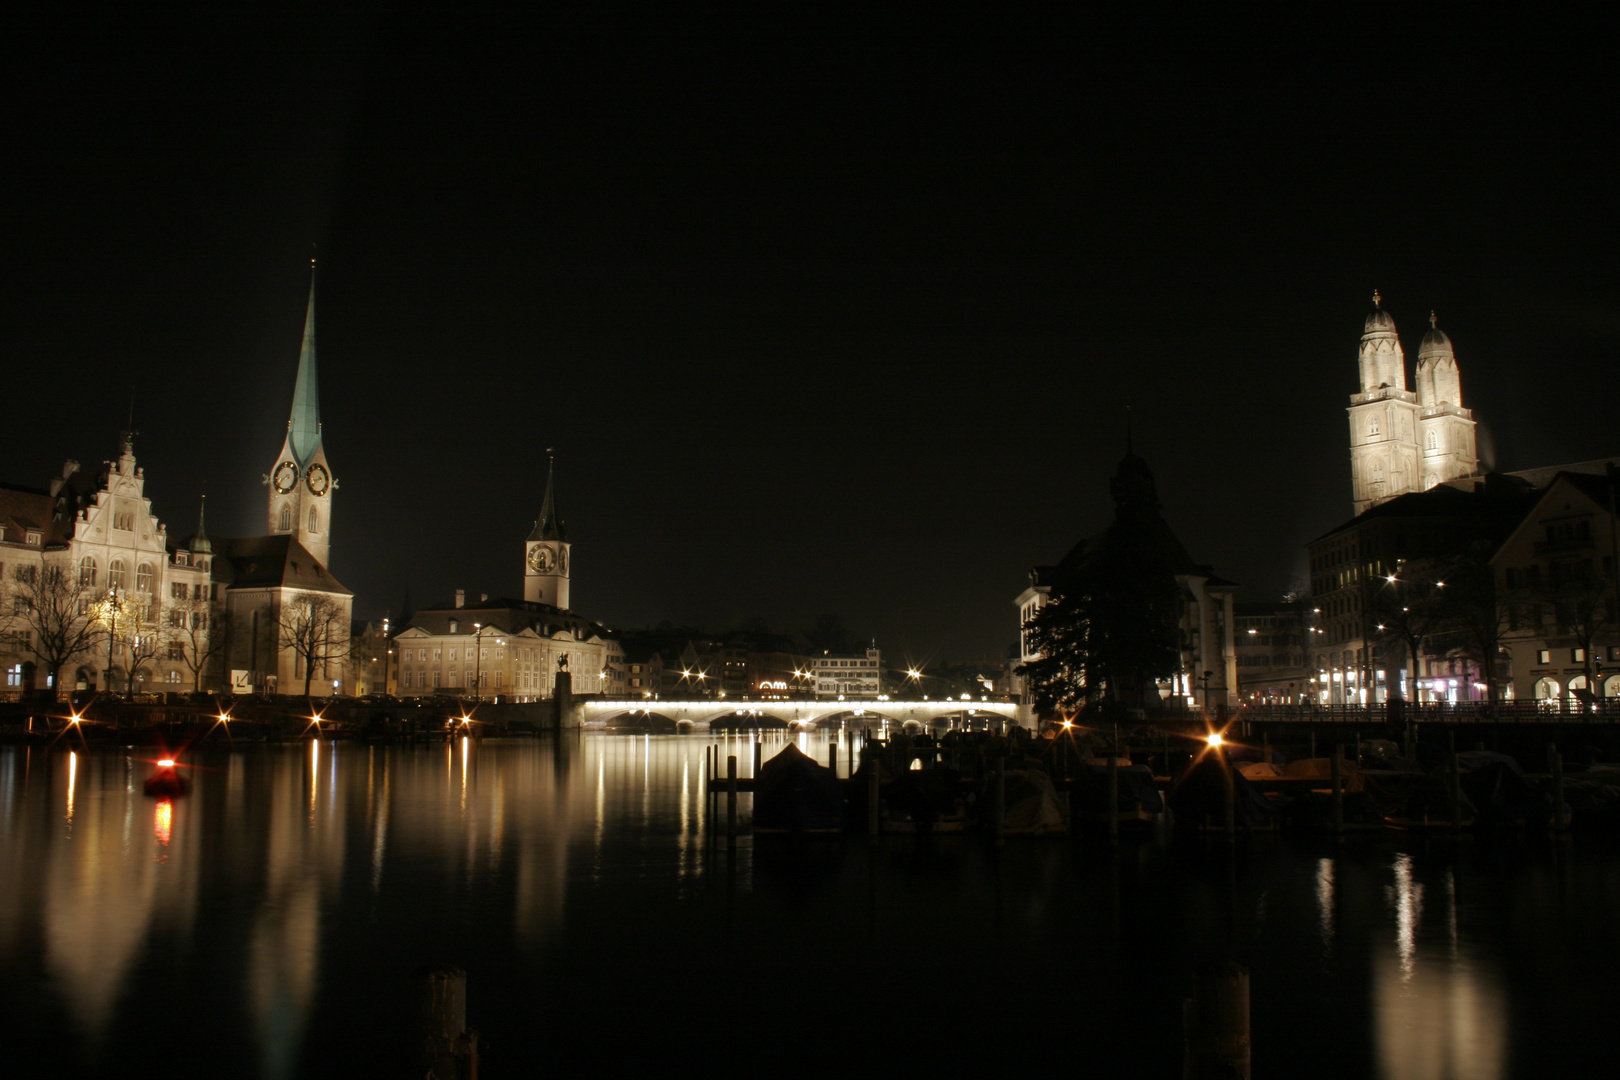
(802, 344)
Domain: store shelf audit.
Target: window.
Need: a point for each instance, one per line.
(1577, 656)
(286, 519)
(453, 653)
(87, 573)
(1544, 656)
(26, 574)
(117, 575)
(176, 618)
(178, 590)
(199, 620)
(314, 521)
(143, 578)
(437, 656)
(1434, 441)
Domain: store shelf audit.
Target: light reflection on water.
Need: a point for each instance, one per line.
(325, 864)
(1440, 1011)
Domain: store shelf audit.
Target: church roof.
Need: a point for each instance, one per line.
(304, 425)
(268, 562)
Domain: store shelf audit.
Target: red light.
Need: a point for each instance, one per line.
(166, 763)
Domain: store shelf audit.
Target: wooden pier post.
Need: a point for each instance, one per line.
(731, 798)
(1336, 771)
(445, 1047)
(832, 758)
(1215, 1022)
(874, 796)
(1231, 792)
(1560, 811)
(1113, 791)
(1454, 783)
(998, 801)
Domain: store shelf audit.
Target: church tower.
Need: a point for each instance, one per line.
(1444, 426)
(301, 482)
(1384, 417)
(545, 561)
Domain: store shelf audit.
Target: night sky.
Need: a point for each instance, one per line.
(820, 314)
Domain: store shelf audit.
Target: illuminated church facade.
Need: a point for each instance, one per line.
(1403, 439)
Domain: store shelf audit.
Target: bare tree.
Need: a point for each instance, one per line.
(55, 619)
(315, 627)
(1580, 602)
(1407, 611)
(1475, 616)
(191, 638)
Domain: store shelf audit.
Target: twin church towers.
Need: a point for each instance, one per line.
(1402, 441)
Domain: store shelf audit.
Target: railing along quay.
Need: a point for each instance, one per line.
(1604, 711)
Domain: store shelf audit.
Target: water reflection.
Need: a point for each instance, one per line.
(1438, 1014)
(329, 868)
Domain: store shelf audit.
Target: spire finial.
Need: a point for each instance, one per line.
(1378, 301)
(1434, 320)
(127, 437)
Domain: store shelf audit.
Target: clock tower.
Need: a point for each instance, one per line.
(545, 553)
(301, 482)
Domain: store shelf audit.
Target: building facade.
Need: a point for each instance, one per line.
(854, 677)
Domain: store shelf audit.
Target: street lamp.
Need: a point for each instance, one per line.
(478, 663)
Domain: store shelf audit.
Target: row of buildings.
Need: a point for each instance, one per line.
(1529, 559)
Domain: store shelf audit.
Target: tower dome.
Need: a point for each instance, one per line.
(1435, 342)
(1379, 321)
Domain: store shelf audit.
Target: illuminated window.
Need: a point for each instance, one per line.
(1544, 656)
(87, 572)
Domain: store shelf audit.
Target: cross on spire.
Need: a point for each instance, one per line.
(1378, 301)
(1434, 321)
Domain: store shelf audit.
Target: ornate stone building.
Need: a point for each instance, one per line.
(1401, 440)
(155, 612)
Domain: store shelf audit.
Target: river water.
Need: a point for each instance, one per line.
(265, 925)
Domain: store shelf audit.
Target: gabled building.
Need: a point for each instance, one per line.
(1556, 574)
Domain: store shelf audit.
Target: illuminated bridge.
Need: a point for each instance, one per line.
(804, 713)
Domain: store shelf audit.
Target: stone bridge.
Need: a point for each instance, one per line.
(595, 713)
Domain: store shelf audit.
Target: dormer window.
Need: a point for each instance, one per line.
(33, 537)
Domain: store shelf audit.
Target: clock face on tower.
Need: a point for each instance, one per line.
(318, 479)
(286, 477)
(541, 560)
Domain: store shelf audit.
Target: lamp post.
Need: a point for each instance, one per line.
(111, 609)
(478, 663)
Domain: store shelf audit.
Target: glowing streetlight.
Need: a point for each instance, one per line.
(1214, 739)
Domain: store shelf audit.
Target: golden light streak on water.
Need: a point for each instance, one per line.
(1324, 902)
(1407, 896)
(73, 775)
(163, 821)
(314, 775)
(464, 774)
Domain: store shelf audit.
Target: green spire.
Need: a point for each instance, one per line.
(200, 542)
(304, 426)
(548, 526)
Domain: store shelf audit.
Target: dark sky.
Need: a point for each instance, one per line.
(821, 315)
